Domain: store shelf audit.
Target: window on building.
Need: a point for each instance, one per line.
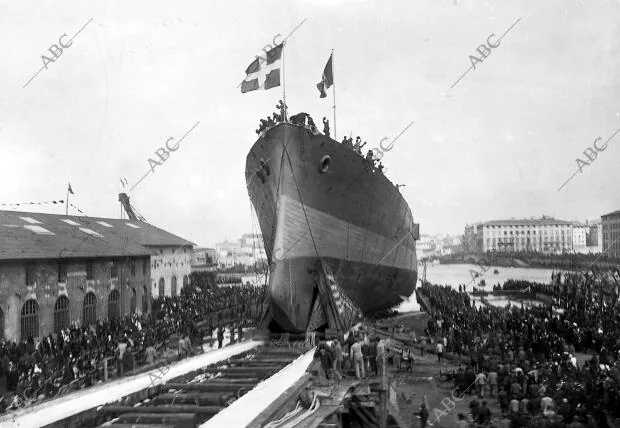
(29, 275)
(145, 300)
(173, 286)
(62, 273)
(133, 301)
(162, 285)
(145, 264)
(61, 313)
(30, 319)
(89, 309)
(114, 309)
(90, 271)
(185, 281)
(114, 270)
(132, 267)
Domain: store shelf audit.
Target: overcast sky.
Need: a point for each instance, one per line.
(497, 145)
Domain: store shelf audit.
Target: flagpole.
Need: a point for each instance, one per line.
(67, 205)
(284, 82)
(334, 94)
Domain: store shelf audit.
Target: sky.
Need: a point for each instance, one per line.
(499, 144)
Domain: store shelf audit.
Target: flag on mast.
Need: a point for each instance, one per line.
(328, 78)
(70, 190)
(264, 73)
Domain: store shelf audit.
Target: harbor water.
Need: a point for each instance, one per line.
(456, 274)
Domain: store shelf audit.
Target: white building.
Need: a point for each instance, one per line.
(247, 251)
(611, 233)
(580, 232)
(170, 269)
(546, 234)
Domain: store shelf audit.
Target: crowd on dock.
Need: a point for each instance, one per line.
(74, 358)
(526, 358)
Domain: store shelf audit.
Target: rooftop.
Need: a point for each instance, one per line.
(613, 214)
(527, 222)
(25, 235)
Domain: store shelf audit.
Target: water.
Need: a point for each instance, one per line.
(454, 275)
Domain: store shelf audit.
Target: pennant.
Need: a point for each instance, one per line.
(327, 79)
(263, 73)
(70, 190)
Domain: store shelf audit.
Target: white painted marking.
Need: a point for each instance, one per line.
(103, 223)
(132, 225)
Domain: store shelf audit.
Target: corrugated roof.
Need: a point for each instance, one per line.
(525, 222)
(25, 235)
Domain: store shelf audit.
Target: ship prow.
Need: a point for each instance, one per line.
(325, 210)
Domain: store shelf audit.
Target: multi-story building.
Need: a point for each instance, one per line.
(58, 270)
(543, 235)
(247, 251)
(594, 236)
(580, 233)
(204, 259)
(472, 238)
(611, 233)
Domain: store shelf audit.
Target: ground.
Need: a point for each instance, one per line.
(424, 380)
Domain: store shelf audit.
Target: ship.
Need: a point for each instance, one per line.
(319, 203)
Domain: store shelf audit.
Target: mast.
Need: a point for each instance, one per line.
(284, 82)
(334, 94)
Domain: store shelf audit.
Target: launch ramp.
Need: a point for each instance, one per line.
(332, 307)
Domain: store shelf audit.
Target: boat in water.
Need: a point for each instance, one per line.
(323, 207)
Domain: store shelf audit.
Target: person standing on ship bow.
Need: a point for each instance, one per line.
(325, 127)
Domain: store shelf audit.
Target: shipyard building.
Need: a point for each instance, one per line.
(57, 270)
(611, 233)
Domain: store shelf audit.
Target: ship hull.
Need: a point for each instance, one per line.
(345, 215)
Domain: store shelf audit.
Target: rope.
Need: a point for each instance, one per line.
(301, 202)
(295, 416)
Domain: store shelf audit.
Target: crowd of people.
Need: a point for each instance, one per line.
(304, 119)
(525, 358)
(75, 357)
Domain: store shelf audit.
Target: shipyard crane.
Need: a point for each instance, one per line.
(131, 211)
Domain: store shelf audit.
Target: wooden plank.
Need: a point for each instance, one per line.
(136, 426)
(164, 408)
(226, 380)
(209, 387)
(198, 398)
(179, 420)
(252, 370)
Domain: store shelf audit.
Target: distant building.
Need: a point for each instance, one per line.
(545, 234)
(58, 270)
(204, 259)
(428, 246)
(611, 233)
(425, 247)
(580, 233)
(594, 236)
(472, 238)
(246, 251)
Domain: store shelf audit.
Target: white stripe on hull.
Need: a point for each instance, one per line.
(335, 238)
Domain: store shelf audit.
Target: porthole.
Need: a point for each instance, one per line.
(324, 164)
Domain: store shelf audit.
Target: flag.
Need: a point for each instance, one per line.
(328, 78)
(69, 189)
(263, 73)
